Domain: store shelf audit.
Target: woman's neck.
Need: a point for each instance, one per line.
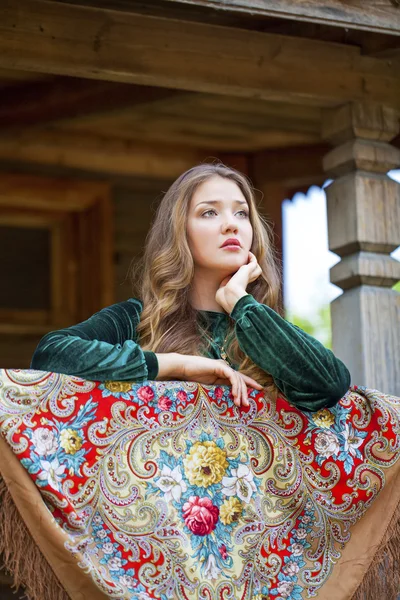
(203, 289)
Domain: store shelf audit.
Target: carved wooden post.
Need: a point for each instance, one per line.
(364, 228)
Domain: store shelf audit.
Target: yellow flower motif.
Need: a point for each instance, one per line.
(230, 510)
(117, 386)
(205, 464)
(70, 441)
(324, 418)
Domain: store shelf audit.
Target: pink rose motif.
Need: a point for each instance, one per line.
(182, 396)
(145, 393)
(223, 552)
(219, 392)
(164, 403)
(200, 515)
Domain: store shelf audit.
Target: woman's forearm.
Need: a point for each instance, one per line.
(169, 365)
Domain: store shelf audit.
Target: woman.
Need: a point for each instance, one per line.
(209, 289)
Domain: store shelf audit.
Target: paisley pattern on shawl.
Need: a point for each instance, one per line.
(167, 490)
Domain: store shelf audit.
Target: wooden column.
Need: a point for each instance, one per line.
(364, 228)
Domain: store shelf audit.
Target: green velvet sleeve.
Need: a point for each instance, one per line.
(102, 348)
(308, 374)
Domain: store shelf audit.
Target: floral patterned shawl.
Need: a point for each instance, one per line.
(167, 490)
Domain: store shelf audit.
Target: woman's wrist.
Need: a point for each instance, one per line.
(232, 297)
(169, 365)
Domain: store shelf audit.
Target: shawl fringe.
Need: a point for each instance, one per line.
(21, 556)
(382, 579)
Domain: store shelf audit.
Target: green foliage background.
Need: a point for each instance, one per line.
(320, 326)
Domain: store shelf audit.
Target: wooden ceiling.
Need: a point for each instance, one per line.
(210, 122)
(128, 87)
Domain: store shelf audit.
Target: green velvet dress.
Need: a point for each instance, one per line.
(105, 348)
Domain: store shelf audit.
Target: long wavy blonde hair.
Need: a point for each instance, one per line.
(165, 273)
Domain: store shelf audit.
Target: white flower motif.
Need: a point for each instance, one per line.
(352, 440)
(211, 570)
(45, 441)
(300, 534)
(285, 588)
(97, 519)
(291, 568)
(102, 533)
(171, 483)
(114, 564)
(327, 444)
(127, 581)
(51, 471)
(108, 548)
(296, 549)
(306, 519)
(241, 483)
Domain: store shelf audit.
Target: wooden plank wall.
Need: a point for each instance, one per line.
(134, 206)
(134, 209)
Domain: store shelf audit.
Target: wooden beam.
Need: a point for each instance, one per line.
(31, 192)
(368, 15)
(294, 168)
(42, 102)
(46, 36)
(98, 154)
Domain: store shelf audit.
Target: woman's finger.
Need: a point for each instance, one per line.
(238, 381)
(238, 397)
(245, 400)
(252, 382)
(234, 382)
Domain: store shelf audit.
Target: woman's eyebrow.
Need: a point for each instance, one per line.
(220, 202)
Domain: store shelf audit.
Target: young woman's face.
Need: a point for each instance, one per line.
(219, 212)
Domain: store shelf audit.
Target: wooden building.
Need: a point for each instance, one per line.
(104, 102)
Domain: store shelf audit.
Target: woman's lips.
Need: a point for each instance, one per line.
(231, 242)
(231, 247)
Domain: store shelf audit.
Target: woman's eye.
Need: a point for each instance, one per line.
(240, 212)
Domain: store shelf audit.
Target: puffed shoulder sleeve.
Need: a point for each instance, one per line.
(103, 347)
(307, 373)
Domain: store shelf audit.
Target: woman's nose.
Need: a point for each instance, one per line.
(230, 226)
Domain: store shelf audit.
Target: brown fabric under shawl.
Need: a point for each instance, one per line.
(32, 544)
(22, 557)
(383, 576)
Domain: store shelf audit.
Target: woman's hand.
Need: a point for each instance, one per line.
(233, 287)
(209, 371)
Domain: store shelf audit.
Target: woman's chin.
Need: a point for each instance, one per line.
(231, 264)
